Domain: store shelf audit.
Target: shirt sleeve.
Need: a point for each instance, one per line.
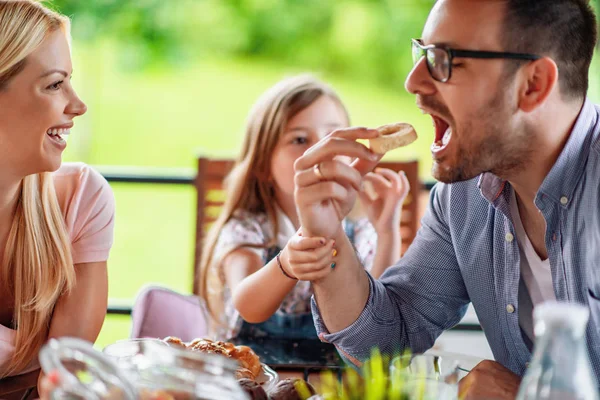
(414, 301)
(89, 213)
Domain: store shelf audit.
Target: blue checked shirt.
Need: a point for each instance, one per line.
(466, 252)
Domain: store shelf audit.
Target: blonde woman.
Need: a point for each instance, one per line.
(245, 271)
(56, 221)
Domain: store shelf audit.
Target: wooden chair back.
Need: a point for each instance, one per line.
(209, 188)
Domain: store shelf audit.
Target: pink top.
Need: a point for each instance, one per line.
(88, 206)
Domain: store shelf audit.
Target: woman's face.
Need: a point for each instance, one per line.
(37, 108)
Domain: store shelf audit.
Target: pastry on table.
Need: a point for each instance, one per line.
(250, 366)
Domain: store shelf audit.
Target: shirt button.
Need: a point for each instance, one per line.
(509, 237)
(526, 365)
(564, 200)
(510, 308)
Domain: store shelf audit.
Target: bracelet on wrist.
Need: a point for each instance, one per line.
(281, 267)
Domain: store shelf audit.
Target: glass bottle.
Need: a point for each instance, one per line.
(560, 367)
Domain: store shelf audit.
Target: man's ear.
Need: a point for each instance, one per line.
(539, 80)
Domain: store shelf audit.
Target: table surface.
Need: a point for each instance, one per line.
(295, 354)
(15, 387)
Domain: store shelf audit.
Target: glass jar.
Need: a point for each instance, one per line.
(425, 376)
(84, 373)
(138, 369)
(155, 366)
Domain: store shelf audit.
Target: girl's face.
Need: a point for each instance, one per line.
(301, 132)
(37, 108)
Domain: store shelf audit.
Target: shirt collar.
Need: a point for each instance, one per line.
(561, 181)
(564, 175)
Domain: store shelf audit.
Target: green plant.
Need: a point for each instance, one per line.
(376, 382)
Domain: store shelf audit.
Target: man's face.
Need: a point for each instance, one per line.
(474, 113)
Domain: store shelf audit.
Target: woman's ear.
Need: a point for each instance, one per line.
(540, 79)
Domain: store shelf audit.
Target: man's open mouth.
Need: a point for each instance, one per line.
(443, 133)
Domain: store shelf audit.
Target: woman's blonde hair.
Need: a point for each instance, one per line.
(248, 185)
(37, 266)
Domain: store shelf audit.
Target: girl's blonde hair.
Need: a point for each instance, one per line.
(37, 266)
(248, 185)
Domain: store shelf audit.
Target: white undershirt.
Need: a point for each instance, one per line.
(535, 274)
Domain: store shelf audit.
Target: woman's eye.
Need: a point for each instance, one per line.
(55, 85)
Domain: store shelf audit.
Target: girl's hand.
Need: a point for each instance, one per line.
(382, 195)
(308, 258)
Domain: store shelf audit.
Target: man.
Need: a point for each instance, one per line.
(515, 220)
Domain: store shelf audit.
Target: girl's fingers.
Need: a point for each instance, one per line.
(379, 184)
(404, 183)
(315, 276)
(301, 243)
(318, 255)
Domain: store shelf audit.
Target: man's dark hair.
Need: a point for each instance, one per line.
(564, 30)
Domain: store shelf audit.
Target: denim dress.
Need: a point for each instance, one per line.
(283, 325)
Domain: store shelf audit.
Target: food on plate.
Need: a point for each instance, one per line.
(393, 136)
(174, 341)
(242, 373)
(292, 389)
(253, 389)
(249, 362)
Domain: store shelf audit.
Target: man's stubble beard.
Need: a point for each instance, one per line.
(502, 150)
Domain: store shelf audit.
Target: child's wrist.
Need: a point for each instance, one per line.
(389, 235)
(283, 263)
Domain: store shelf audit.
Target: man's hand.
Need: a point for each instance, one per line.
(326, 188)
(489, 380)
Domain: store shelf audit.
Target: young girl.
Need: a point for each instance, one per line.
(56, 222)
(242, 274)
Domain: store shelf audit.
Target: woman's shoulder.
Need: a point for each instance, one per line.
(88, 205)
(80, 188)
(79, 177)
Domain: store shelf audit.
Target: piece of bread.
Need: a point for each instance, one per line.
(249, 362)
(393, 136)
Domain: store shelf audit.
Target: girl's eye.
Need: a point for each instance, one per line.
(300, 140)
(55, 85)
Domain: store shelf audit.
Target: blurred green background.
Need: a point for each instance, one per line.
(165, 80)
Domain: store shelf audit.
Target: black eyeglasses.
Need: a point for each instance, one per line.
(439, 59)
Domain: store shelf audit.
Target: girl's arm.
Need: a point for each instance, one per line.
(258, 291)
(387, 252)
(383, 195)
